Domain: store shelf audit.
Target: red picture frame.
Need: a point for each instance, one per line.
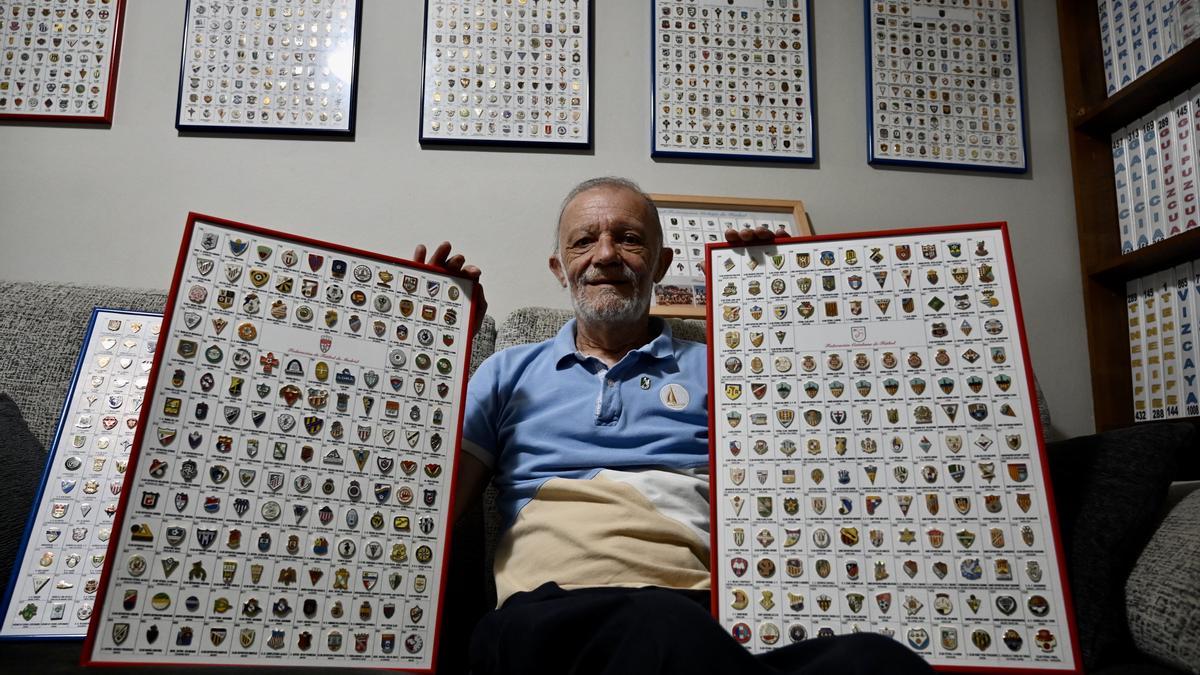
(717, 564)
(105, 116)
(90, 643)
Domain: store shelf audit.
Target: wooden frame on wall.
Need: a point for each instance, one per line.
(690, 222)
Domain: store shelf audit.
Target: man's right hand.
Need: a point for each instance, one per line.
(455, 264)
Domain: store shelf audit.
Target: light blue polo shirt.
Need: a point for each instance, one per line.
(543, 411)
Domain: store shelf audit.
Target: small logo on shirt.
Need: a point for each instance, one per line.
(645, 383)
(674, 396)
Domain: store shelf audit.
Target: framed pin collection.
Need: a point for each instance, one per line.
(507, 72)
(733, 80)
(877, 455)
(690, 222)
(945, 84)
(291, 479)
(53, 586)
(269, 66)
(59, 59)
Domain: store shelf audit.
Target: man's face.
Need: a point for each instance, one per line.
(609, 255)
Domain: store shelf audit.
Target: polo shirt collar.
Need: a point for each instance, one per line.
(661, 347)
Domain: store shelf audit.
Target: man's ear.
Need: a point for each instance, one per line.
(556, 267)
(665, 256)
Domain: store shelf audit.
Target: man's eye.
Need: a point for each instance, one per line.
(633, 239)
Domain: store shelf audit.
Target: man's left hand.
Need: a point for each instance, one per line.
(455, 264)
(754, 235)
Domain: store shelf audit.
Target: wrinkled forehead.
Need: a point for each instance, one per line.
(609, 205)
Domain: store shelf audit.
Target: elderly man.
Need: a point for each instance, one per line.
(597, 441)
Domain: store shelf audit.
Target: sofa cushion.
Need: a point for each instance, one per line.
(1108, 489)
(1162, 595)
(40, 339)
(527, 325)
(483, 344)
(22, 462)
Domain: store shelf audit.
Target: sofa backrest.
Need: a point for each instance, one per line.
(527, 325)
(43, 331)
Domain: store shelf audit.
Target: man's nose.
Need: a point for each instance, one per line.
(606, 250)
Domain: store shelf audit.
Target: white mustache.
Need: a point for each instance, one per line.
(593, 274)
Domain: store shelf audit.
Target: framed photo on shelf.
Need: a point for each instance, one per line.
(690, 222)
(733, 80)
(289, 489)
(945, 84)
(63, 551)
(877, 455)
(508, 74)
(59, 60)
(270, 67)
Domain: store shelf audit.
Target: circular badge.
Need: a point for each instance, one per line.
(160, 601)
(424, 554)
(271, 511)
(241, 358)
(674, 396)
(413, 643)
(397, 358)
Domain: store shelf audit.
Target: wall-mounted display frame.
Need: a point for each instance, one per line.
(877, 456)
(733, 80)
(690, 222)
(507, 74)
(945, 84)
(59, 60)
(291, 482)
(269, 67)
(57, 572)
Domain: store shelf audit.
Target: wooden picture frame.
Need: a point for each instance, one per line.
(686, 283)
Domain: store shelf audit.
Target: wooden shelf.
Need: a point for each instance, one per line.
(1164, 82)
(1092, 118)
(1181, 248)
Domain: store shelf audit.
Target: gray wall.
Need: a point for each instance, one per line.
(96, 205)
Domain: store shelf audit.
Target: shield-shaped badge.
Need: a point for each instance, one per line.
(1018, 471)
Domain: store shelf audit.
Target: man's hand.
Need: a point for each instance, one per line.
(748, 236)
(755, 235)
(455, 264)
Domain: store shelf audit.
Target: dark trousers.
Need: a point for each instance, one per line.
(626, 631)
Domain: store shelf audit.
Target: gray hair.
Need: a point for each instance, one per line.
(612, 182)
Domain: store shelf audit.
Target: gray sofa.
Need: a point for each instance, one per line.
(1133, 553)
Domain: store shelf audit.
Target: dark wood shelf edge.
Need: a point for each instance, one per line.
(1181, 248)
(1162, 83)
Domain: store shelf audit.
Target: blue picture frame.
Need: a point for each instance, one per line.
(809, 157)
(269, 129)
(876, 158)
(51, 461)
(427, 138)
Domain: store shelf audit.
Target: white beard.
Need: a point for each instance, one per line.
(611, 306)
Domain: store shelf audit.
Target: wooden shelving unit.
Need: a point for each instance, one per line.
(1092, 118)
